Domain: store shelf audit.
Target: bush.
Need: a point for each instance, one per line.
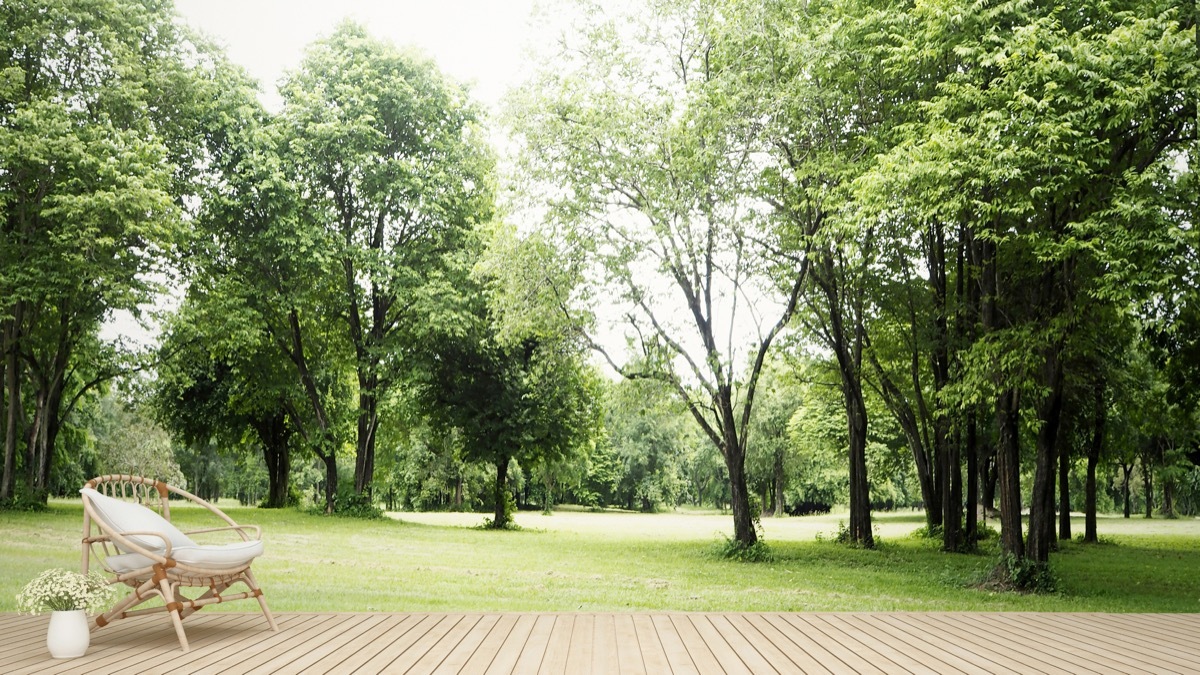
(1022, 575)
(732, 549)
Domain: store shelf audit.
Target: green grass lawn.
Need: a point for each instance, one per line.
(579, 561)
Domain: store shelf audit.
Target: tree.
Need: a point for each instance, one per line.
(648, 167)
(496, 368)
(389, 162)
(1034, 138)
(221, 378)
(103, 107)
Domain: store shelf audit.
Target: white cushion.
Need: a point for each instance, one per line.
(123, 517)
(220, 557)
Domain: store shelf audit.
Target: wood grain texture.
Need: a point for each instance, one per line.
(625, 644)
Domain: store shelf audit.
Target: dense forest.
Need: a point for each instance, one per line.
(761, 257)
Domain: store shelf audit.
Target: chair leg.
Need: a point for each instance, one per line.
(173, 606)
(262, 601)
(136, 597)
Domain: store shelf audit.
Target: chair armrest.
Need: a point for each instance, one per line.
(240, 529)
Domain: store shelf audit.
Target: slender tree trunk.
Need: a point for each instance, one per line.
(1127, 470)
(1100, 417)
(331, 479)
(500, 514)
(971, 533)
(275, 434)
(12, 387)
(1008, 471)
(1041, 508)
(779, 506)
(1064, 490)
(1148, 484)
(743, 521)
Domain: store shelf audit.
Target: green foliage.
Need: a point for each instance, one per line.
(1023, 575)
(507, 522)
(734, 550)
(351, 504)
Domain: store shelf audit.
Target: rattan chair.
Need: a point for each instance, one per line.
(127, 531)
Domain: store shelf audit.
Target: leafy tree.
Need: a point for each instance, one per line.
(500, 374)
(1056, 136)
(651, 164)
(389, 164)
(646, 430)
(102, 103)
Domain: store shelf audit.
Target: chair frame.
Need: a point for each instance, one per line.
(165, 576)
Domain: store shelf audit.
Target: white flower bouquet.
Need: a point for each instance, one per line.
(57, 590)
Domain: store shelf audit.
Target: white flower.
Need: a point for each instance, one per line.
(59, 590)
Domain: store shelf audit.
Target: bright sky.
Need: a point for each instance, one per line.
(477, 42)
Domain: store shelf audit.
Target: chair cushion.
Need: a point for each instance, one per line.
(119, 516)
(215, 557)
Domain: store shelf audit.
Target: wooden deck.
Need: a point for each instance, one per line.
(625, 643)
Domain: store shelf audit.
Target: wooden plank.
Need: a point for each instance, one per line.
(466, 645)
(523, 652)
(558, 646)
(829, 640)
(629, 647)
(579, 653)
(801, 658)
(803, 637)
(1122, 628)
(678, 657)
(1103, 660)
(487, 650)
(1132, 653)
(604, 645)
(434, 644)
(1027, 657)
(702, 653)
(362, 648)
(883, 644)
(654, 656)
(746, 650)
(391, 649)
(953, 656)
(349, 629)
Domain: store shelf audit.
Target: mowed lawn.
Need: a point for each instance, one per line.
(581, 561)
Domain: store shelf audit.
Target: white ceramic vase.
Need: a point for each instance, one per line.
(68, 635)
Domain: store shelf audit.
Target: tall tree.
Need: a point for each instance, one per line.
(1072, 192)
(651, 166)
(501, 372)
(389, 161)
(102, 109)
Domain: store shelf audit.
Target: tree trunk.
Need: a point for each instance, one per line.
(1100, 417)
(739, 496)
(1008, 471)
(779, 506)
(860, 494)
(368, 423)
(1041, 507)
(500, 519)
(1064, 491)
(971, 533)
(12, 415)
(1127, 470)
(331, 479)
(1148, 484)
(275, 434)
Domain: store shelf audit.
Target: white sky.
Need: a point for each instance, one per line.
(478, 42)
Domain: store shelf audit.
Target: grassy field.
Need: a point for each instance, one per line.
(579, 561)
